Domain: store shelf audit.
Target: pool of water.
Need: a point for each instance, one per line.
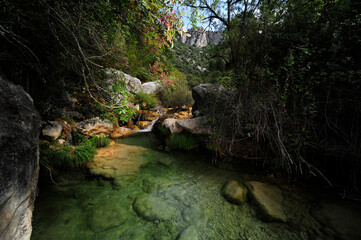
(173, 195)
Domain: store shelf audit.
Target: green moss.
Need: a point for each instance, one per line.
(145, 101)
(183, 141)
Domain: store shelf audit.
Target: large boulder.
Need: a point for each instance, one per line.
(151, 87)
(269, 199)
(209, 97)
(196, 126)
(19, 160)
(153, 208)
(171, 125)
(52, 130)
(95, 126)
(133, 84)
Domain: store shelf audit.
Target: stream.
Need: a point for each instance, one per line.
(146, 193)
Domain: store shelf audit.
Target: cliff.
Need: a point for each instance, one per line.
(201, 37)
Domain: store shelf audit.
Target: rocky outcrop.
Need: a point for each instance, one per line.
(19, 165)
(268, 199)
(133, 84)
(52, 130)
(201, 37)
(234, 192)
(95, 126)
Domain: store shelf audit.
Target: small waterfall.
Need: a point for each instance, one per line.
(148, 129)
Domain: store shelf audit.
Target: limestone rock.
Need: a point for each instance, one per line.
(147, 115)
(121, 132)
(150, 87)
(66, 129)
(171, 125)
(196, 126)
(269, 200)
(153, 208)
(234, 192)
(52, 130)
(95, 126)
(201, 37)
(133, 84)
(190, 233)
(105, 217)
(19, 164)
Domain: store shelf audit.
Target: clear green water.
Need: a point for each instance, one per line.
(184, 197)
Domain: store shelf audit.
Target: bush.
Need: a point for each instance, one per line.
(177, 96)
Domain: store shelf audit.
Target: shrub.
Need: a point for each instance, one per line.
(177, 96)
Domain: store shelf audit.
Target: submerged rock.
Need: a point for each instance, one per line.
(269, 200)
(95, 126)
(166, 161)
(119, 162)
(52, 130)
(190, 233)
(105, 217)
(153, 208)
(194, 215)
(234, 192)
(19, 160)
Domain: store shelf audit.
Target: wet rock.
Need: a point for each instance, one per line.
(190, 233)
(121, 132)
(344, 219)
(95, 126)
(143, 124)
(234, 192)
(19, 155)
(166, 161)
(150, 185)
(153, 208)
(106, 216)
(183, 115)
(269, 200)
(52, 130)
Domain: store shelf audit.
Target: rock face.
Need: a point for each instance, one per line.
(133, 84)
(52, 130)
(234, 192)
(19, 155)
(95, 126)
(269, 200)
(201, 37)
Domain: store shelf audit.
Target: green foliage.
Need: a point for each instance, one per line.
(145, 101)
(99, 141)
(177, 93)
(183, 141)
(63, 156)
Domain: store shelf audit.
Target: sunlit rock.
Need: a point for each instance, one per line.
(95, 126)
(52, 130)
(121, 132)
